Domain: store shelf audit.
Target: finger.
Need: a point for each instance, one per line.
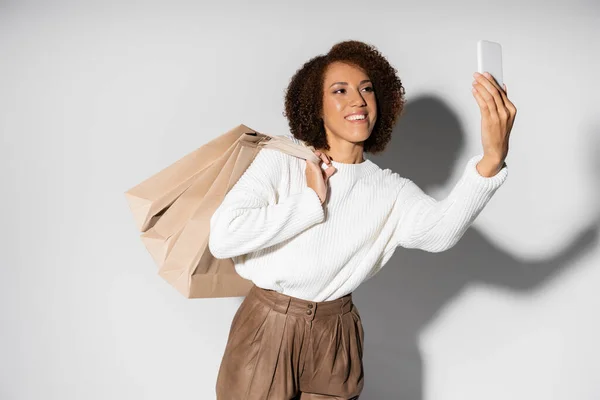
(483, 106)
(509, 104)
(322, 156)
(494, 90)
(500, 106)
(503, 91)
(507, 108)
(491, 79)
(512, 110)
(491, 88)
(485, 100)
(329, 171)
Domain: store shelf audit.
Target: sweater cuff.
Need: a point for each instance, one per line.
(486, 183)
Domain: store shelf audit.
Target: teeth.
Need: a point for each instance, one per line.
(353, 117)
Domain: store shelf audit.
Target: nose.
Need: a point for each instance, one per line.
(357, 100)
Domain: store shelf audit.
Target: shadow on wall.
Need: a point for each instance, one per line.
(405, 296)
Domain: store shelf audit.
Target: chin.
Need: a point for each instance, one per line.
(359, 137)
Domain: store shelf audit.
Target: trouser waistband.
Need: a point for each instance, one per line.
(308, 309)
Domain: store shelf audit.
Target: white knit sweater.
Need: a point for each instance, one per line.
(281, 237)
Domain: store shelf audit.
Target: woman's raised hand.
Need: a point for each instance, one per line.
(497, 118)
(316, 177)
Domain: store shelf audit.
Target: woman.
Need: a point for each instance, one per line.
(307, 235)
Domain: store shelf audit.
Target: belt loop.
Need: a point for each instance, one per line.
(346, 304)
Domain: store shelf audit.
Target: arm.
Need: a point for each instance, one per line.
(250, 218)
(435, 226)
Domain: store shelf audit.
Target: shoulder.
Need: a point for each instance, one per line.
(391, 178)
(292, 138)
(272, 159)
(407, 188)
(284, 158)
(390, 181)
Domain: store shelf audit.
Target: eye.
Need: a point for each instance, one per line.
(368, 88)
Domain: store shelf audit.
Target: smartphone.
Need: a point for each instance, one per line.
(489, 59)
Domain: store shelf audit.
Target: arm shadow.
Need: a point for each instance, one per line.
(414, 286)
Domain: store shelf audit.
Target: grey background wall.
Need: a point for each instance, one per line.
(96, 96)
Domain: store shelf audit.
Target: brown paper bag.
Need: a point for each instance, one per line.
(173, 209)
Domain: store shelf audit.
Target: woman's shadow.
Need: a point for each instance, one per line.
(411, 289)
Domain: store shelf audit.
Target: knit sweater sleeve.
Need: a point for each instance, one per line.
(250, 216)
(427, 224)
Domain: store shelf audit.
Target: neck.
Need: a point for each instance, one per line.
(354, 157)
(344, 150)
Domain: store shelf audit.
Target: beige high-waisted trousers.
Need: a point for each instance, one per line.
(283, 348)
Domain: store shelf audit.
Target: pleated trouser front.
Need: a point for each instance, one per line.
(283, 348)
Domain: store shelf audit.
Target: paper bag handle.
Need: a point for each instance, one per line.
(288, 146)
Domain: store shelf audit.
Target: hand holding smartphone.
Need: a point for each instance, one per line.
(497, 111)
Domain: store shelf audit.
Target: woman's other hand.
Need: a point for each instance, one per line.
(317, 178)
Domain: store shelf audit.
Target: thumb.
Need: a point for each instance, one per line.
(330, 171)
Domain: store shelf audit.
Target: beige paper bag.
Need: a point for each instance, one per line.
(173, 209)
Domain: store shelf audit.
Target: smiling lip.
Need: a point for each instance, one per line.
(356, 121)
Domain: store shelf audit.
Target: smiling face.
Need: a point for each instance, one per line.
(348, 91)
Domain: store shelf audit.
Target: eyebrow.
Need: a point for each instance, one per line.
(345, 83)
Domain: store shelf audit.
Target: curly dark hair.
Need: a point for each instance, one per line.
(304, 94)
